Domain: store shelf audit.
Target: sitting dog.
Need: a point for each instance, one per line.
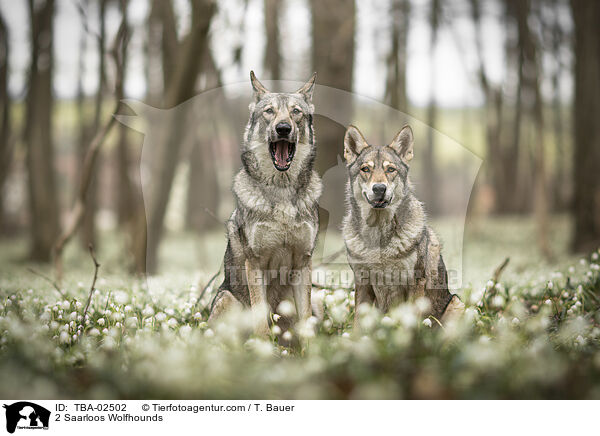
(394, 254)
(273, 229)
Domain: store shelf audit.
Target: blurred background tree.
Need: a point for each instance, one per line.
(516, 82)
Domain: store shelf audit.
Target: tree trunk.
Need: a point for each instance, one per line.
(180, 88)
(430, 180)
(273, 49)
(38, 133)
(125, 201)
(395, 89)
(5, 106)
(88, 227)
(586, 107)
(203, 187)
(333, 29)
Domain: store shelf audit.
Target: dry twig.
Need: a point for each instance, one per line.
(96, 267)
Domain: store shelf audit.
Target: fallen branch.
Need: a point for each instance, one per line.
(49, 280)
(96, 267)
(499, 270)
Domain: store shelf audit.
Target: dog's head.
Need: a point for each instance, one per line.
(281, 122)
(378, 174)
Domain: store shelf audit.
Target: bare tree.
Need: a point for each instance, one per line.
(186, 67)
(77, 212)
(6, 144)
(126, 205)
(430, 182)
(273, 49)
(38, 132)
(333, 29)
(203, 187)
(586, 207)
(395, 88)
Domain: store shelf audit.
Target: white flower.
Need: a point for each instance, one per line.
(64, 337)
(276, 317)
(550, 285)
(94, 332)
(160, 317)
(286, 308)
(148, 311)
(580, 340)
(515, 321)
(427, 322)
(498, 301)
(284, 353)
(101, 321)
(276, 330)
(345, 335)
(387, 321)
(571, 270)
(489, 284)
(172, 322)
(594, 256)
(131, 322)
(209, 333)
(287, 336)
(423, 304)
(548, 302)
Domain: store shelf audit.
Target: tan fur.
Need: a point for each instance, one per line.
(394, 254)
(272, 232)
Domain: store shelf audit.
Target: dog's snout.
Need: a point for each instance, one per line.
(379, 189)
(283, 129)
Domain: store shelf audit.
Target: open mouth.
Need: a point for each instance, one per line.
(377, 204)
(282, 153)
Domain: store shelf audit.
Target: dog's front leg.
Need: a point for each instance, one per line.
(363, 294)
(302, 286)
(257, 286)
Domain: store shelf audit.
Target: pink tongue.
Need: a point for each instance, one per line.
(281, 153)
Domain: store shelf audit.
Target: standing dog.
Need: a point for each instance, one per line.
(273, 229)
(394, 254)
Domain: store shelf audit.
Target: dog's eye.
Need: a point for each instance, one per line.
(269, 111)
(365, 169)
(296, 111)
(391, 169)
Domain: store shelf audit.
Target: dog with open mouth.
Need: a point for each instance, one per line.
(394, 254)
(273, 229)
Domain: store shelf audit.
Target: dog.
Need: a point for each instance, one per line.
(273, 229)
(394, 254)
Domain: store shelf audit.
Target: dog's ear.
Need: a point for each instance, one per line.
(354, 143)
(259, 89)
(403, 144)
(307, 89)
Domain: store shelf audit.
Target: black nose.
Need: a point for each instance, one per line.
(283, 129)
(379, 189)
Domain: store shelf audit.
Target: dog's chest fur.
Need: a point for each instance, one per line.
(279, 224)
(382, 250)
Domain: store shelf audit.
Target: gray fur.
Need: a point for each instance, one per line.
(274, 226)
(394, 254)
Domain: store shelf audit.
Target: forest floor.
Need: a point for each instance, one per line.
(535, 333)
